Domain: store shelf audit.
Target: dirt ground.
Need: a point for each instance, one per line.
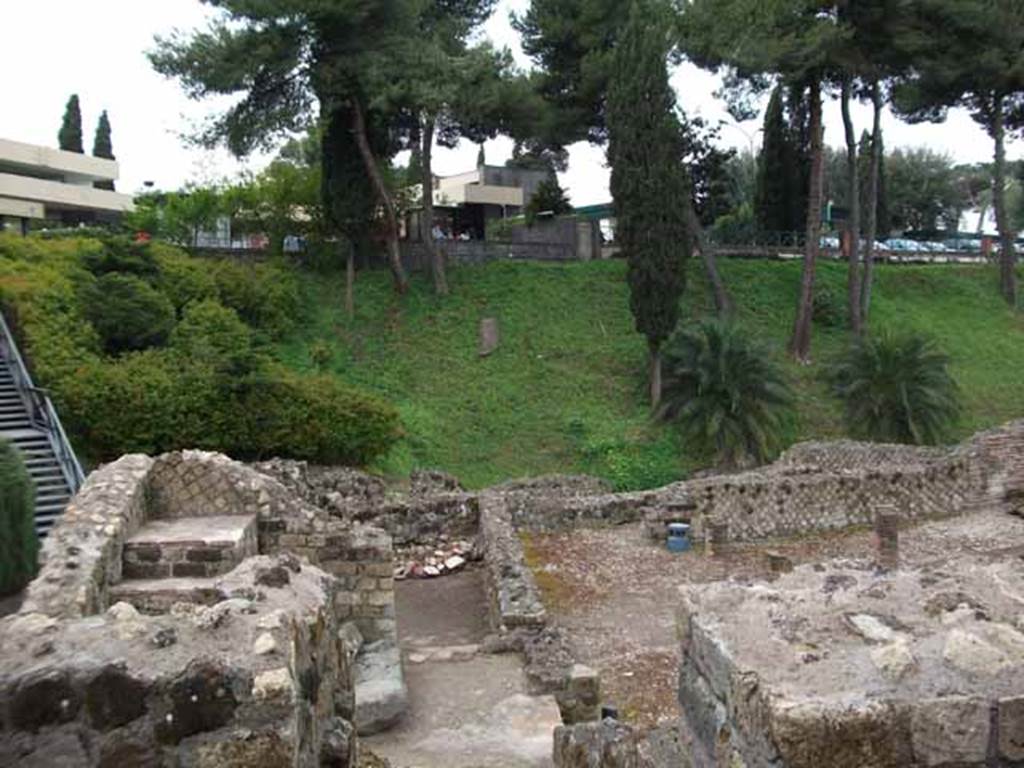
(466, 709)
(614, 590)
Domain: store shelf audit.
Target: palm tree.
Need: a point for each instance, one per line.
(725, 392)
(896, 388)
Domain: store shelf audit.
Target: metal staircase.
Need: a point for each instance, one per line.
(28, 419)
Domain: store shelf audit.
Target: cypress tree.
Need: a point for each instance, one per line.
(102, 147)
(649, 185)
(19, 545)
(70, 136)
(771, 198)
(481, 157)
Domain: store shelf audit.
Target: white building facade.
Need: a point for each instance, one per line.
(44, 183)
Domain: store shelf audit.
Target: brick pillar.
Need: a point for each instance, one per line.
(887, 537)
(716, 537)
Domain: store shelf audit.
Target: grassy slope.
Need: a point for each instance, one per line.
(564, 392)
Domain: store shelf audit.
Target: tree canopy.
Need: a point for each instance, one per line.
(69, 137)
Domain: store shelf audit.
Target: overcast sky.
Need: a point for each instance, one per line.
(53, 48)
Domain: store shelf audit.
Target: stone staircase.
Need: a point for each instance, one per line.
(179, 559)
(29, 421)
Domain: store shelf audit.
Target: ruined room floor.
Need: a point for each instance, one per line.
(614, 590)
(466, 709)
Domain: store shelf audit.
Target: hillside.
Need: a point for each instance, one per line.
(565, 393)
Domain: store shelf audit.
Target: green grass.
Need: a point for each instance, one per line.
(565, 390)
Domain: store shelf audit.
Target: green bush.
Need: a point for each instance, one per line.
(19, 545)
(159, 400)
(127, 313)
(209, 387)
(726, 393)
(264, 295)
(183, 278)
(212, 334)
(319, 419)
(121, 254)
(828, 309)
(896, 388)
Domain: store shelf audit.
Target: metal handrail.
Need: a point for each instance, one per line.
(41, 411)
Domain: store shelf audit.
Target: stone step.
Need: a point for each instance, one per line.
(189, 547)
(156, 596)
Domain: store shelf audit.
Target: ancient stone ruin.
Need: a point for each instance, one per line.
(195, 611)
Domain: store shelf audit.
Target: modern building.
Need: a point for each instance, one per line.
(463, 204)
(44, 183)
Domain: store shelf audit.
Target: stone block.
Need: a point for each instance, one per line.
(953, 729)
(192, 570)
(1011, 728)
(813, 734)
(489, 336)
(146, 570)
(711, 658)
(205, 555)
(381, 696)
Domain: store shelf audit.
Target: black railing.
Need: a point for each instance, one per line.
(42, 414)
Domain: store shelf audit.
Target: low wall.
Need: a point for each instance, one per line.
(514, 598)
(81, 557)
(353, 496)
(812, 488)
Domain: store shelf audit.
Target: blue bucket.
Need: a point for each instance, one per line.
(678, 537)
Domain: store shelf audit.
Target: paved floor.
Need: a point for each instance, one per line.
(466, 710)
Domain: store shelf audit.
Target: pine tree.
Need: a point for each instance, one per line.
(102, 147)
(549, 198)
(648, 183)
(70, 136)
(774, 170)
(481, 157)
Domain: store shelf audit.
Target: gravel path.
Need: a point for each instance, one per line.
(466, 710)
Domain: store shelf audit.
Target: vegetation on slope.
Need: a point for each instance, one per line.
(565, 391)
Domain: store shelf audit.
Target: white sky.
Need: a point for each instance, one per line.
(52, 48)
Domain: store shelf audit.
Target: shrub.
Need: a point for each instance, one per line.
(120, 254)
(319, 419)
(127, 313)
(264, 295)
(19, 545)
(183, 278)
(213, 335)
(159, 400)
(896, 388)
(726, 393)
(828, 310)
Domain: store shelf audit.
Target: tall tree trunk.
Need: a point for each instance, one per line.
(350, 279)
(1007, 256)
(874, 181)
(853, 286)
(699, 243)
(655, 376)
(401, 282)
(427, 222)
(800, 342)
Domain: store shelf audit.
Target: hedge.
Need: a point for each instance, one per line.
(202, 383)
